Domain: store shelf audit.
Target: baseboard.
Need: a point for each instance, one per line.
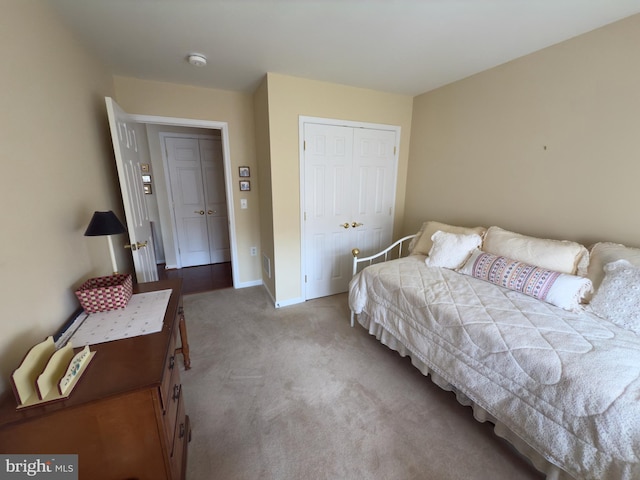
(253, 283)
(288, 302)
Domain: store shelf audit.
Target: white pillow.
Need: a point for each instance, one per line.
(421, 244)
(557, 255)
(560, 289)
(618, 298)
(603, 253)
(451, 250)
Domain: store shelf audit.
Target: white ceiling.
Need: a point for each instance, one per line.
(401, 46)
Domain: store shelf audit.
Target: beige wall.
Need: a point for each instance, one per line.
(263, 159)
(236, 109)
(57, 169)
(288, 99)
(546, 145)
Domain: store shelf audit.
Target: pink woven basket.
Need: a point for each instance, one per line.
(102, 294)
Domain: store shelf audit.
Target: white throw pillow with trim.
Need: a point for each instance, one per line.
(451, 250)
(618, 297)
(603, 253)
(422, 243)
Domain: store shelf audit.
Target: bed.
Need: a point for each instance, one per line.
(560, 383)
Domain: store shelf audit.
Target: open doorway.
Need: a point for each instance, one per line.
(189, 206)
(208, 276)
(199, 230)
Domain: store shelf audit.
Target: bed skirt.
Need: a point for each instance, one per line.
(551, 471)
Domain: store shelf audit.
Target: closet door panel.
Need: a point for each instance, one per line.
(374, 179)
(327, 200)
(187, 193)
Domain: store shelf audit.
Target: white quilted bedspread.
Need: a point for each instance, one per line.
(568, 384)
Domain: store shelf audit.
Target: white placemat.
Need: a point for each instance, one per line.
(143, 315)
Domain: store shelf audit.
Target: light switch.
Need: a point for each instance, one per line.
(243, 203)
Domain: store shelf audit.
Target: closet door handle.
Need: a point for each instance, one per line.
(356, 224)
(201, 212)
(212, 212)
(344, 225)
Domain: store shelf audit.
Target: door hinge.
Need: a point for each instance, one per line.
(394, 150)
(304, 145)
(305, 279)
(305, 216)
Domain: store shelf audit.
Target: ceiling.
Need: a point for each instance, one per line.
(400, 46)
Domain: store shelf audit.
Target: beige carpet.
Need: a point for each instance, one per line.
(296, 393)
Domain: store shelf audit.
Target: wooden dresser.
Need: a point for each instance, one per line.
(126, 417)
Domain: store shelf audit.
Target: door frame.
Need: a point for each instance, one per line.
(302, 120)
(228, 177)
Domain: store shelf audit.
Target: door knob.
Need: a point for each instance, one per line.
(212, 212)
(344, 225)
(136, 246)
(201, 212)
(356, 224)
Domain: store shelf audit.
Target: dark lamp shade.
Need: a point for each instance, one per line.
(104, 223)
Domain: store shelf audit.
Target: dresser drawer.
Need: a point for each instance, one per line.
(170, 368)
(171, 409)
(181, 437)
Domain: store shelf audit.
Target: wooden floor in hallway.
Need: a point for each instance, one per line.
(201, 278)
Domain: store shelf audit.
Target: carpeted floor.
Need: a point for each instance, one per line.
(296, 393)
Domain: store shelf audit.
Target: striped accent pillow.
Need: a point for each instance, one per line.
(560, 289)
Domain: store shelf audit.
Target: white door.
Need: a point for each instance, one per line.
(125, 146)
(327, 208)
(187, 195)
(349, 192)
(215, 199)
(373, 185)
(196, 173)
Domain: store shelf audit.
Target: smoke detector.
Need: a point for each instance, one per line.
(197, 60)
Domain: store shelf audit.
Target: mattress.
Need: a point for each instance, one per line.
(564, 385)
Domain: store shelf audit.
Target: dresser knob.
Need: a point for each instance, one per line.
(182, 428)
(172, 362)
(176, 392)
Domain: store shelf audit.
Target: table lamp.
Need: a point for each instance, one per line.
(106, 224)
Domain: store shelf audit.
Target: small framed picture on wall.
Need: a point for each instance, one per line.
(244, 171)
(245, 185)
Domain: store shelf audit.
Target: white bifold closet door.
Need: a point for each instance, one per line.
(199, 200)
(349, 193)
